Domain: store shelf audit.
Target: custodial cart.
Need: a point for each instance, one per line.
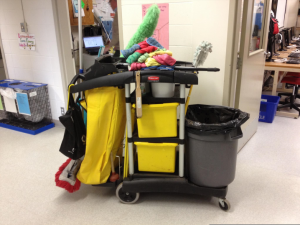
(129, 188)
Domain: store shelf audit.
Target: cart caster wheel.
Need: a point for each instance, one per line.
(224, 204)
(126, 197)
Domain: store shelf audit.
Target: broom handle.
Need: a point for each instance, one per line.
(138, 95)
(188, 98)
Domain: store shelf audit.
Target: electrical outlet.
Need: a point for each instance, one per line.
(62, 110)
(24, 27)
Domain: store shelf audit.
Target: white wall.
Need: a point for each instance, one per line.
(191, 22)
(291, 13)
(42, 65)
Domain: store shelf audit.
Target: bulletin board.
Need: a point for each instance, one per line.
(88, 19)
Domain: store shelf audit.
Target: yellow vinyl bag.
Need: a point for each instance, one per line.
(106, 119)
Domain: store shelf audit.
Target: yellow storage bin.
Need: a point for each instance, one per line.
(156, 157)
(158, 120)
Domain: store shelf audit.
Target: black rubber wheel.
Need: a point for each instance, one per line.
(224, 204)
(126, 197)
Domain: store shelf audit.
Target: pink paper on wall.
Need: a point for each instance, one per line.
(161, 33)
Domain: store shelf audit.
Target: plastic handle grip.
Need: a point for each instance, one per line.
(76, 77)
(196, 69)
(155, 73)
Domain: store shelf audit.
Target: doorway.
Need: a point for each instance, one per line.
(250, 43)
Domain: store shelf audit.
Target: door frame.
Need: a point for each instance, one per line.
(3, 58)
(120, 22)
(250, 129)
(243, 33)
(64, 43)
(233, 35)
(233, 44)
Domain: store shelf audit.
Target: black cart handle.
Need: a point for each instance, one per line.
(196, 69)
(183, 62)
(156, 73)
(76, 77)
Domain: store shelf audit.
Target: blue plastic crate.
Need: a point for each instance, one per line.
(268, 108)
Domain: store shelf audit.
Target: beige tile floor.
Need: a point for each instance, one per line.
(266, 188)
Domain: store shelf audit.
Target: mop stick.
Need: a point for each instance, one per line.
(188, 99)
(80, 38)
(199, 58)
(126, 157)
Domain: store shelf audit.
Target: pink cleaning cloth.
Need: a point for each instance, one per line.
(147, 50)
(137, 66)
(143, 44)
(165, 59)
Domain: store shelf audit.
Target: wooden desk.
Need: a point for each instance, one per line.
(284, 67)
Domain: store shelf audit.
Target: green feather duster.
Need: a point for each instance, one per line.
(147, 27)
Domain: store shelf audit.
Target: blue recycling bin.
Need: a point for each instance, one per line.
(268, 108)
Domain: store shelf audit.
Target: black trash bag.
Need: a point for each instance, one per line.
(212, 119)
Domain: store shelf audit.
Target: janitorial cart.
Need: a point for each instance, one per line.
(156, 157)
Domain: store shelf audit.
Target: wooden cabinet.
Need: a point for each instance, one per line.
(88, 19)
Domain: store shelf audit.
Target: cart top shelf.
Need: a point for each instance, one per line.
(128, 77)
(97, 75)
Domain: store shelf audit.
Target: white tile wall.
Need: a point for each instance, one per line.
(23, 74)
(13, 20)
(11, 4)
(53, 52)
(9, 32)
(35, 4)
(35, 16)
(21, 61)
(128, 31)
(182, 53)
(9, 60)
(6, 46)
(15, 49)
(177, 13)
(181, 35)
(42, 48)
(11, 71)
(130, 20)
(42, 65)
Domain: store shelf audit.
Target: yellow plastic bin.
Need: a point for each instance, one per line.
(156, 157)
(158, 120)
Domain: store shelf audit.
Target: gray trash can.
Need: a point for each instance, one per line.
(212, 136)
